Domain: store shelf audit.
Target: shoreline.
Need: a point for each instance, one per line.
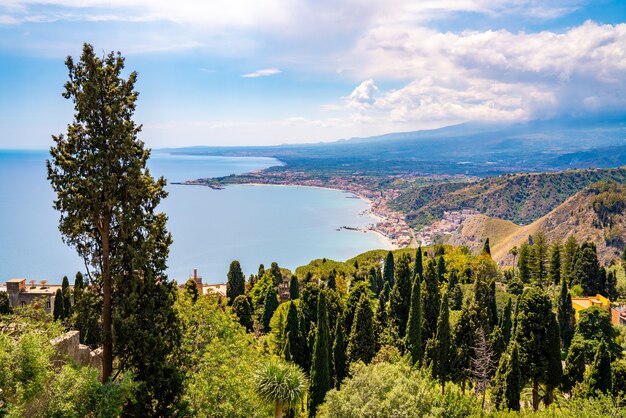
(387, 241)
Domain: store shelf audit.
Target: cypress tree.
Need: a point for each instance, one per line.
(487, 248)
(568, 259)
(339, 354)
(389, 269)
(513, 381)
(380, 283)
(600, 378)
(373, 281)
(293, 334)
(276, 274)
(59, 309)
(430, 301)
(287, 348)
(455, 292)
(497, 344)
(359, 289)
(67, 298)
(441, 268)
(587, 269)
(321, 379)
(414, 326)
(5, 304)
(565, 315)
(465, 332)
(381, 319)
(442, 347)
(236, 283)
(493, 309)
(418, 267)
(79, 285)
(361, 344)
(191, 288)
(400, 298)
(242, 308)
(331, 283)
(611, 286)
(523, 263)
(539, 358)
(574, 365)
(271, 304)
(506, 324)
(260, 271)
(554, 271)
(294, 288)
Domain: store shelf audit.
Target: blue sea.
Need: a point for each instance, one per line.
(252, 224)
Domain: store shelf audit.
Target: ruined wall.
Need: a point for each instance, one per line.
(68, 347)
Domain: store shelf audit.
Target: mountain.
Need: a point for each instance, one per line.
(474, 148)
(595, 214)
(520, 198)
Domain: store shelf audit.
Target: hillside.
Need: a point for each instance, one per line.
(595, 214)
(520, 198)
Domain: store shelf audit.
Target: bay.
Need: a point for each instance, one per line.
(253, 224)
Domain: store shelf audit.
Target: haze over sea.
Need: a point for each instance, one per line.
(290, 225)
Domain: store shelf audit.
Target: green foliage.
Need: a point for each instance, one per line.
(487, 247)
(455, 292)
(321, 378)
(389, 269)
(59, 306)
(394, 390)
(413, 337)
(293, 334)
(430, 301)
(587, 270)
(441, 359)
(270, 306)
(339, 354)
(212, 343)
(418, 265)
(242, 308)
(539, 265)
(540, 360)
(236, 281)
(86, 317)
(554, 269)
(465, 332)
(191, 287)
(565, 315)
(506, 323)
(362, 342)
(399, 299)
(280, 383)
(593, 326)
(599, 378)
(574, 365)
(359, 289)
(5, 304)
(107, 197)
(570, 249)
(294, 288)
(507, 384)
(524, 263)
(67, 298)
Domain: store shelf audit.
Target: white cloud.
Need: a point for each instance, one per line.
(363, 96)
(262, 73)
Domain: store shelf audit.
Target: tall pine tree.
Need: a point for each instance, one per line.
(600, 378)
(414, 341)
(554, 271)
(565, 315)
(270, 306)
(418, 267)
(400, 298)
(430, 301)
(294, 288)
(389, 269)
(339, 354)
(321, 379)
(441, 360)
(236, 283)
(362, 344)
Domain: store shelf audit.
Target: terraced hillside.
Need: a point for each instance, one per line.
(520, 198)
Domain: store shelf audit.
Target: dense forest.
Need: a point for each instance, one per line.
(434, 331)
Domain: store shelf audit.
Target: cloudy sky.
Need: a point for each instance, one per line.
(240, 72)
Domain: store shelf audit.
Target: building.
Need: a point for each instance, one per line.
(618, 314)
(22, 294)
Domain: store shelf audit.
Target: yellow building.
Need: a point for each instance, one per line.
(587, 302)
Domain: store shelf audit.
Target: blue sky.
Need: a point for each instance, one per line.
(241, 72)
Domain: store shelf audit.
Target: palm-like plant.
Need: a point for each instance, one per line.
(281, 383)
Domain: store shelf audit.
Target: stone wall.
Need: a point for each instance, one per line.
(68, 346)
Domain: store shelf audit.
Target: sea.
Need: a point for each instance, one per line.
(210, 228)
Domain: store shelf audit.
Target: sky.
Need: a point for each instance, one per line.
(261, 72)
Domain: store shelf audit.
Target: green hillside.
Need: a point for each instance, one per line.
(521, 198)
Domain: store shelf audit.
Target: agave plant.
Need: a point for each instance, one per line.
(281, 383)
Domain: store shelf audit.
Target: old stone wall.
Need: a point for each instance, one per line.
(68, 346)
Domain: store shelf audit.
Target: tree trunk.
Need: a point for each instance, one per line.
(549, 395)
(463, 386)
(535, 394)
(278, 410)
(443, 387)
(107, 334)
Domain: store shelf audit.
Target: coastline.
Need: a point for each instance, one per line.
(384, 239)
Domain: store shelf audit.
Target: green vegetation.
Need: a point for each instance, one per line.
(521, 198)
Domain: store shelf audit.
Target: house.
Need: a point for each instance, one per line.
(22, 294)
(618, 314)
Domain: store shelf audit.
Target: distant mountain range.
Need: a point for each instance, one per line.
(475, 148)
